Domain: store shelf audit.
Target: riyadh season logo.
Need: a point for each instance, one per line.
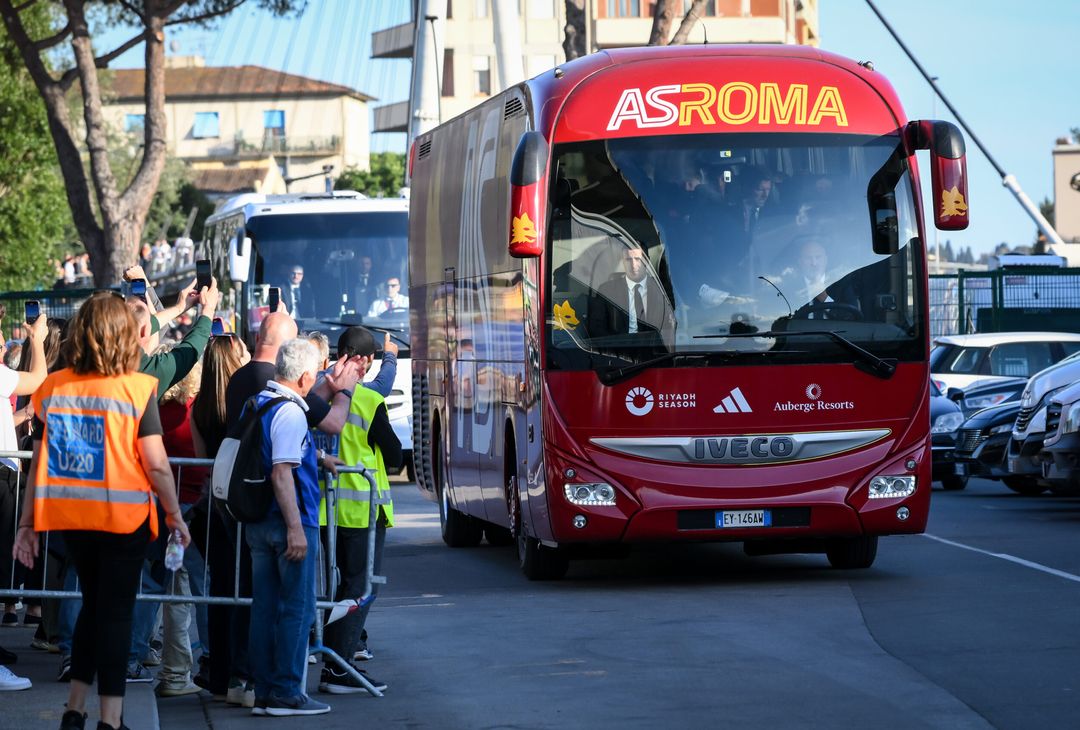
(639, 401)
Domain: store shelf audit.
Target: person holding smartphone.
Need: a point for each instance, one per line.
(16, 383)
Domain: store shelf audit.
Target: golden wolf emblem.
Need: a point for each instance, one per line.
(565, 316)
(952, 203)
(524, 230)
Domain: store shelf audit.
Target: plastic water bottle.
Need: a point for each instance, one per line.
(174, 552)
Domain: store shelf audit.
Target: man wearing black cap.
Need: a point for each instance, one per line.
(367, 439)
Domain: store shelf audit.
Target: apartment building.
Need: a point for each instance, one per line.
(249, 128)
(468, 71)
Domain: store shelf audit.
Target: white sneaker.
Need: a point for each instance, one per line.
(10, 682)
(363, 655)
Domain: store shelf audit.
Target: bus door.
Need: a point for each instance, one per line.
(460, 400)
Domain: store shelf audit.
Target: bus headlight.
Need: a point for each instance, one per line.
(596, 494)
(886, 487)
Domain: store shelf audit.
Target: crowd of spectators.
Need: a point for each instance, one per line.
(102, 403)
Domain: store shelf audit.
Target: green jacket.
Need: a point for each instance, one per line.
(173, 366)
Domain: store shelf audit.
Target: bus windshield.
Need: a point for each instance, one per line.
(334, 269)
(701, 244)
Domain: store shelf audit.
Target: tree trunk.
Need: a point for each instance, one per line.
(662, 19)
(688, 23)
(574, 32)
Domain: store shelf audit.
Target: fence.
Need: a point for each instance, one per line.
(327, 570)
(1004, 300)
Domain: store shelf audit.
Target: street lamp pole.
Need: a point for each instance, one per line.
(933, 115)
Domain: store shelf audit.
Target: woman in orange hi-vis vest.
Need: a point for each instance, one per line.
(97, 461)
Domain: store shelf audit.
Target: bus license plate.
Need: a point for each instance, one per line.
(743, 518)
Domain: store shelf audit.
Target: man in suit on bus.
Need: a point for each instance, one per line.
(632, 302)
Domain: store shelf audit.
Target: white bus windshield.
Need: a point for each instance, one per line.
(334, 269)
(694, 243)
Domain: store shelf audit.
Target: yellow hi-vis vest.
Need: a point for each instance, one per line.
(353, 489)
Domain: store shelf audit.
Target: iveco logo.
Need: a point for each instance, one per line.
(740, 448)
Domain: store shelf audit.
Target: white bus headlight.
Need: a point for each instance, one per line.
(885, 487)
(596, 494)
(947, 423)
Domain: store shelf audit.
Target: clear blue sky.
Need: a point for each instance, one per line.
(1010, 68)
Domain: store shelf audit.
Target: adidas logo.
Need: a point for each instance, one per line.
(734, 403)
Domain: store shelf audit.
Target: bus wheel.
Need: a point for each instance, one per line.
(458, 528)
(1024, 485)
(953, 482)
(537, 561)
(853, 553)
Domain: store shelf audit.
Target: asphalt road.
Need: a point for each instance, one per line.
(979, 631)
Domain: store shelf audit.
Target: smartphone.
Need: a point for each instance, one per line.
(33, 310)
(138, 288)
(202, 274)
(217, 327)
(274, 298)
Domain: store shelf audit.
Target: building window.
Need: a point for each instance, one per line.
(448, 72)
(541, 9)
(482, 74)
(624, 8)
(537, 65)
(480, 8)
(274, 123)
(134, 123)
(206, 125)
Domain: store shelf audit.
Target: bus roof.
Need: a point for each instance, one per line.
(340, 201)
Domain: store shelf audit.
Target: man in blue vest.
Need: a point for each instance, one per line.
(367, 439)
(284, 544)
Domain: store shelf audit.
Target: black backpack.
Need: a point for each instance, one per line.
(239, 478)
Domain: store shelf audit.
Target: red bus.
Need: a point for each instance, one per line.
(665, 294)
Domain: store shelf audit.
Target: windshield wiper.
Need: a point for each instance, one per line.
(867, 361)
(614, 374)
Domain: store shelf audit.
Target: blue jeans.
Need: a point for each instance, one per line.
(69, 612)
(145, 617)
(282, 608)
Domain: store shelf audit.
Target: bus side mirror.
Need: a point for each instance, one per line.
(948, 170)
(528, 200)
(239, 257)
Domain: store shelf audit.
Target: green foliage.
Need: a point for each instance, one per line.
(384, 180)
(34, 215)
(192, 197)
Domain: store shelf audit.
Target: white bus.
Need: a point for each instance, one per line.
(349, 248)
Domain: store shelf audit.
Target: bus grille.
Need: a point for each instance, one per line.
(1023, 418)
(969, 439)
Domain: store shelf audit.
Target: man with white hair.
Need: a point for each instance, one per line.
(283, 546)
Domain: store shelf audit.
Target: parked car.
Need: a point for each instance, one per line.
(1024, 458)
(981, 394)
(945, 419)
(959, 361)
(981, 443)
(1061, 448)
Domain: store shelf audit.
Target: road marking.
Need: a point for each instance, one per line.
(1010, 558)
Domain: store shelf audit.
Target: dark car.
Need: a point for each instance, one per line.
(982, 441)
(978, 396)
(945, 419)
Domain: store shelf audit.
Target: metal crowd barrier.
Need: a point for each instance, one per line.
(328, 577)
